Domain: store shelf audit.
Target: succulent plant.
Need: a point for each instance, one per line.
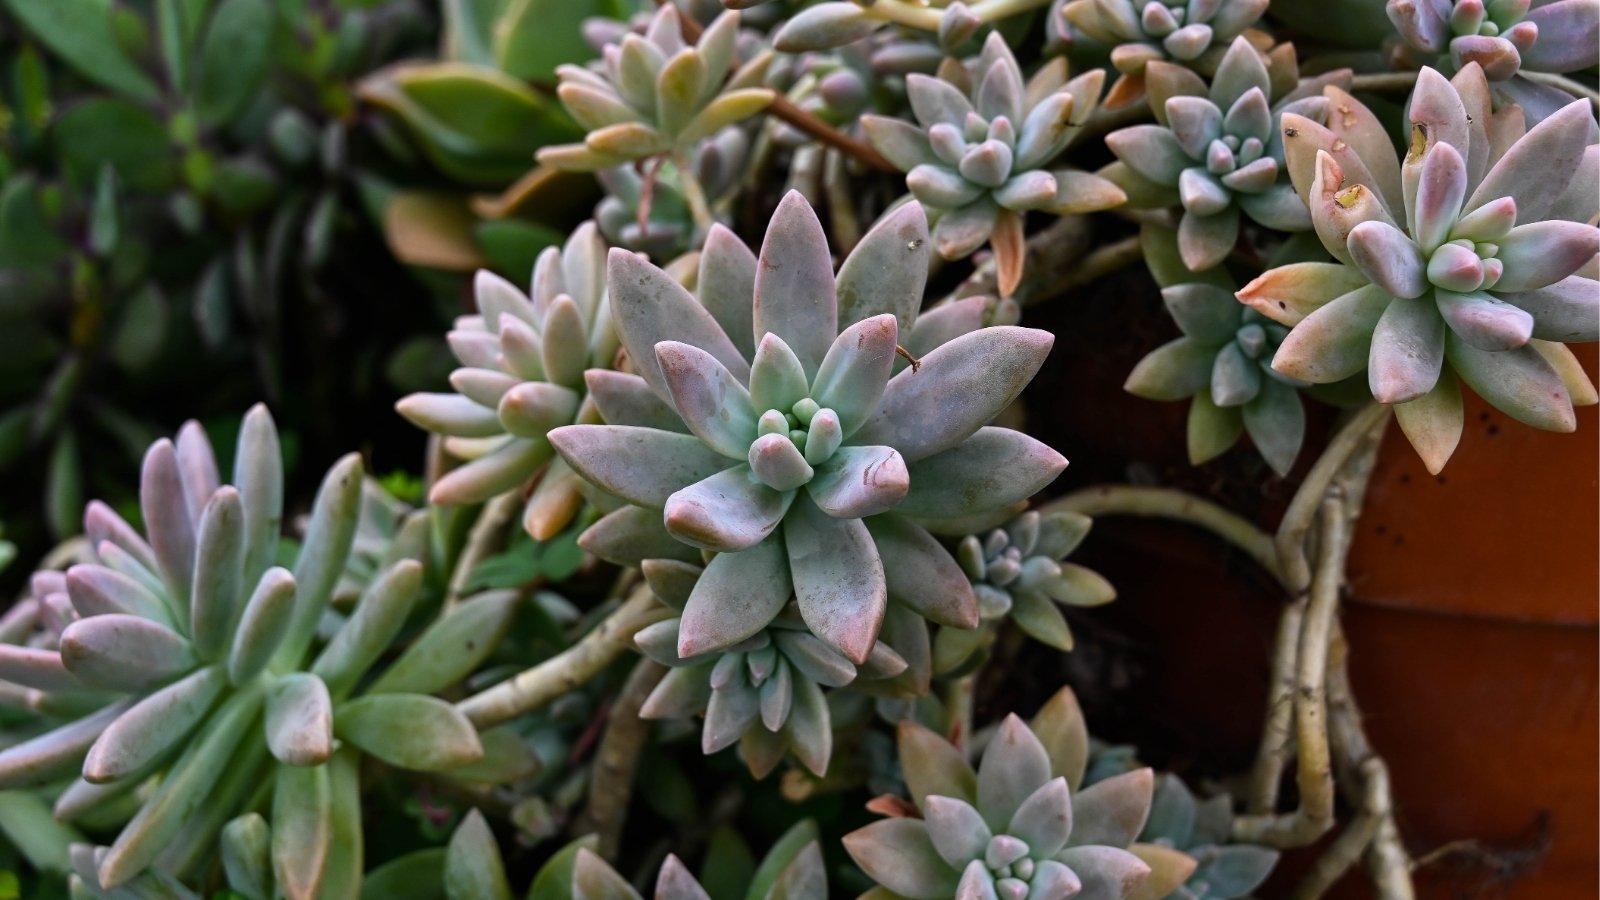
(791, 450)
(824, 26)
(1465, 257)
(1502, 36)
(471, 868)
(1015, 828)
(1216, 152)
(650, 214)
(522, 362)
(1223, 362)
(1201, 829)
(192, 640)
(1195, 34)
(1019, 572)
(977, 154)
(654, 94)
(765, 692)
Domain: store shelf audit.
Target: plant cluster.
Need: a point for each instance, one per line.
(727, 440)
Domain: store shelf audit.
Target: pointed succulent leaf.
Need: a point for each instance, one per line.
(855, 370)
(645, 466)
(921, 574)
(379, 615)
(153, 726)
(1537, 168)
(1483, 321)
(898, 854)
(860, 481)
(302, 810)
(794, 286)
(1542, 253)
(648, 307)
(1276, 423)
(1332, 342)
(1568, 310)
(452, 647)
(713, 403)
(957, 831)
(1519, 383)
(1388, 258)
(410, 731)
(1106, 873)
(726, 512)
(1014, 765)
(994, 467)
(473, 866)
(1433, 423)
(1112, 812)
(738, 595)
(838, 578)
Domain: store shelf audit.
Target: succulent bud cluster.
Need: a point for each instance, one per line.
(188, 656)
(1194, 34)
(977, 155)
(1017, 827)
(471, 868)
(1471, 255)
(655, 94)
(522, 362)
(773, 679)
(1502, 36)
(767, 426)
(1019, 572)
(1224, 362)
(1215, 151)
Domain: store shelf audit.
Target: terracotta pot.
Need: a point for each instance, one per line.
(1472, 617)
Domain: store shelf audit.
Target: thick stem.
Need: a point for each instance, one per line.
(616, 760)
(693, 193)
(1314, 761)
(487, 536)
(1296, 524)
(893, 11)
(995, 10)
(1277, 734)
(591, 655)
(1562, 82)
(1354, 840)
(1384, 81)
(1170, 503)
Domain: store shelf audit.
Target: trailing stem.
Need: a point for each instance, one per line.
(693, 193)
(1361, 429)
(1170, 503)
(487, 536)
(592, 654)
(616, 760)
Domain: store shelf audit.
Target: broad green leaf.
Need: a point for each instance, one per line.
(105, 131)
(532, 37)
(82, 34)
(233, 59)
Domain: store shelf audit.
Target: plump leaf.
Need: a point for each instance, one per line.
(409, 731)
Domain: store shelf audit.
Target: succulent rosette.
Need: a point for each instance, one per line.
(1016, 828)
(1470, 257)
(1201, 830)
(1223, 364)
(1215, 153)
(1195, 34)
(196, 666)
(766, 692)
(976, 156)
(654, 94)
(522, 362)
(1019, 572)
(1502, 36)
(783, 441)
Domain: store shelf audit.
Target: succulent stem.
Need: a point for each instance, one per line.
(1277, 734)
(1384, 81)
(1170, 503)
(1562, 82)
(694, 193)
(1297, 520)
(488, 535)
(893, 11)
(995, 10)
(533, 688)
(616, 760)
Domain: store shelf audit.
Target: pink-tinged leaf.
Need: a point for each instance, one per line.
(1433, 422)
(167, 520)
(1289, 293)
(633, 534)
(1436, 106)
(898, 854)
(713, 403)
(958, 388)
(887, 270)
(726, 285)
(124, 652)
(993, 468)
(1580, 202)
(902, 143)
(962, 231)
(794, 290)
(1106, 873)
(505, 468)
(1014, 765)
(1570, 370)
(1113, 811)
(778, 463)
(1204, 241)
(838, 578)
(920, 573)
(1441, 187)
(1333, 342)
(648, 307)
(1303, 139)
(956, 829)
(1421, 23)
(1407, 351)
(860, 481)
(1569, 35)
(1354, 123)
(626, 399)
(1542, 253)
(934, 100)
(640, 465)
(1568, 310)
(1519, 383)
(1337, 208)
(726, 512)
(931, 766)
(1388, 258)
(1484, 321)
(1044, 820)
(856, 370)
(738, 595)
